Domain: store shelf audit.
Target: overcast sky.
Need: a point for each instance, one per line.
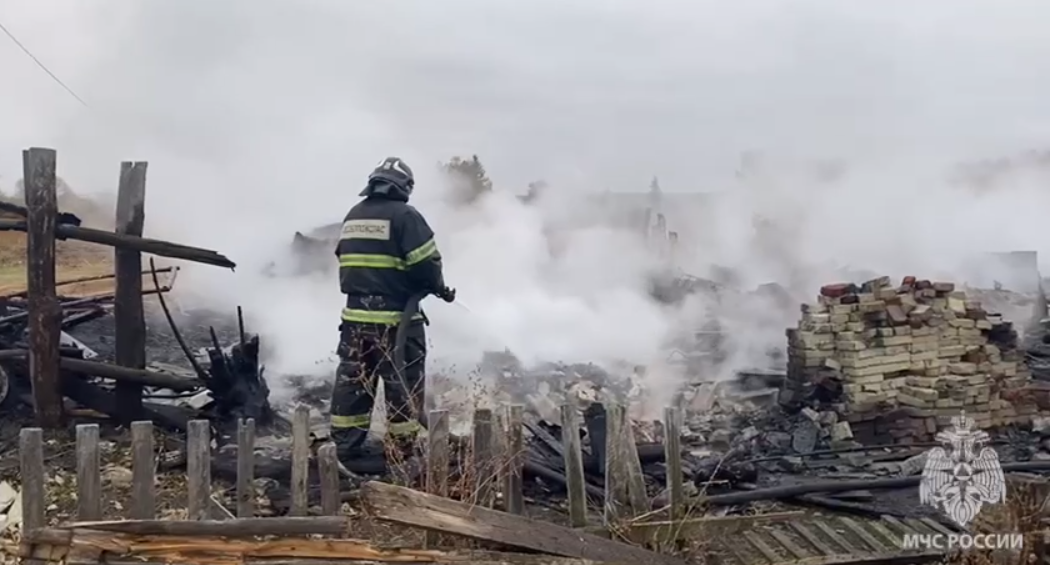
(254, 96)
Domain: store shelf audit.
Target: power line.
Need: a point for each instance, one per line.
(41, 65)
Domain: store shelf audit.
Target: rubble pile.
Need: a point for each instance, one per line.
(897, 362)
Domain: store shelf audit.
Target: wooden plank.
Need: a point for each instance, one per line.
(246, 468)
(328, 470)
(198, 469)
(896, 525)
(573, 455)
(233, 528)
(673, 457)
(637, 495)
(437, 461)
(513, 493)
(483, 457)
(814, 540)
(865, 536)
(31, 468)
(89, 478)
(895, 541)
(759, 544)
(300, 460)
(128, 315)
(143, 497)
(836, 537)
(705, 528)
(615, 466)
(788, 543)
(936, 526)
(45, 313)
(407, 507)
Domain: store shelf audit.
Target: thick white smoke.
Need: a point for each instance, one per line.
(261, 117)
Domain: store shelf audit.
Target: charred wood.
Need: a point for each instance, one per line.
(238, 386)
(105, 401)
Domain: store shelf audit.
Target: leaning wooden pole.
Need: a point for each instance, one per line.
(45, 312)
(127, 264)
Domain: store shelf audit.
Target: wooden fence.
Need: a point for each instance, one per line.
(496, 459)
(493, 467)
(44, 224)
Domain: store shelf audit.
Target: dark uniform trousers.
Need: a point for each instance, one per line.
(366, 355)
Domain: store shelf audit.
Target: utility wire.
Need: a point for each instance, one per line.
(41, 65)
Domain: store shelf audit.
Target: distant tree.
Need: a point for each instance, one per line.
(469, 178)
(536, 189)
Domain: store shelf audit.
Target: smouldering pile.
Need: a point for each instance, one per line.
(922, 347)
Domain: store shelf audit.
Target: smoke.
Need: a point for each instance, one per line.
(260, 118)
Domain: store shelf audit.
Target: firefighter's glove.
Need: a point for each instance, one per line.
(447, 294)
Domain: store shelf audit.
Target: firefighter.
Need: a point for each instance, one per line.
(387, 255)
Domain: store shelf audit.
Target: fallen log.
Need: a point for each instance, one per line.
(130, 242)
(407, 507)
(105, 401)
(146, 377)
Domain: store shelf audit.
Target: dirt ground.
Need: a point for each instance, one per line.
(73, 259)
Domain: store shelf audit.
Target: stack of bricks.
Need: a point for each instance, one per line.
(898, 362)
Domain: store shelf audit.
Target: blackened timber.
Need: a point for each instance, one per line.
(44, 312)
(130, 375)
(594, 420)
(129, 318)
(142, 244)
(74, 319)
(101, 400)
(126, 374)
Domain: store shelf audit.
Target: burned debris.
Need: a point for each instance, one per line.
(873, 370)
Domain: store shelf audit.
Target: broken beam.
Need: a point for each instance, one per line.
(408, 507)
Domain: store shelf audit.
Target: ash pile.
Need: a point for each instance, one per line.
(898, 362)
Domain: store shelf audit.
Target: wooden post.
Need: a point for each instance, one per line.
(615, 465)
(34, 490)
(45, 313)
(328, 469)
(636, 493)
(574, 478)
(127, 265)
(673, 454)
(143, 492)
(198, 469)
(513, 495)
(300, 460)
(246, 468)
(89, 468)
(437, 461)
(483, 457)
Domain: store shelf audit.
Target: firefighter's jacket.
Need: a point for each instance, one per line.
(387, 254)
